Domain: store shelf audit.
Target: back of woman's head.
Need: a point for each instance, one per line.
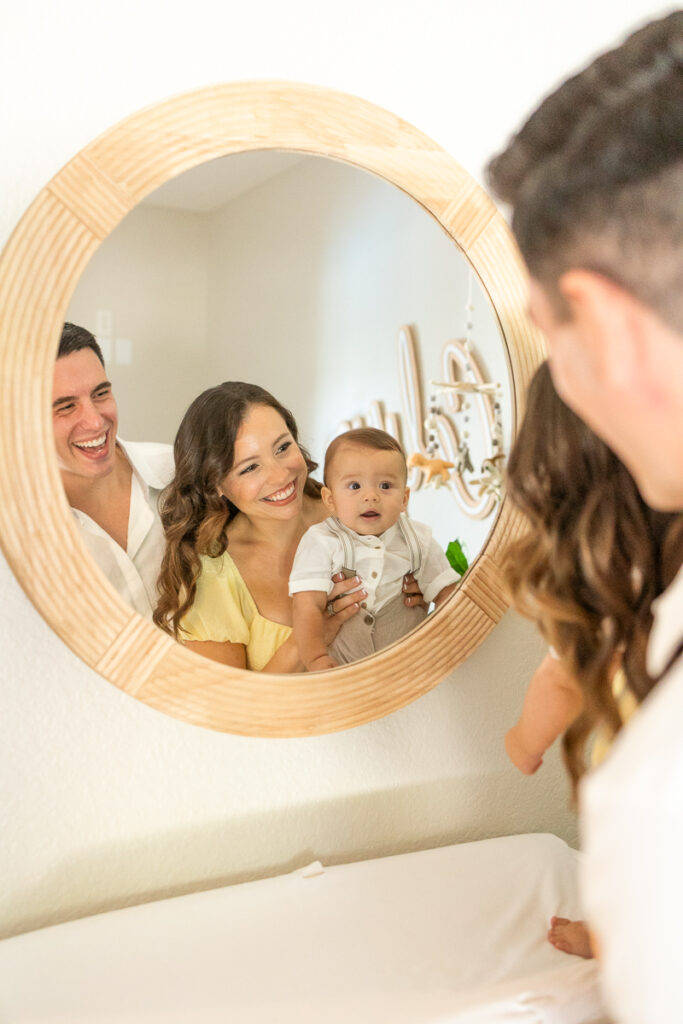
(589, 565)
(557, 462)
(590, 533)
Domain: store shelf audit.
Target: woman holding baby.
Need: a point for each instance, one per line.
(234, 514)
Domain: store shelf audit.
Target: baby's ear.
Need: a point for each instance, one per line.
(405, 497)
(328, 500)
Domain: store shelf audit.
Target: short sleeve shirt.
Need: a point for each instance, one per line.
(381, 562)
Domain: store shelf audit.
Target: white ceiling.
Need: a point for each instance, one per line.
(211, 185)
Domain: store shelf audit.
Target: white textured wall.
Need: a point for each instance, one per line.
(151, 274)
(103, 800)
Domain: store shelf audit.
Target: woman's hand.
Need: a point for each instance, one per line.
(412, 594)
(341, 604)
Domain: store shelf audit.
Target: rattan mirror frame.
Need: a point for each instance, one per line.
(39, 270)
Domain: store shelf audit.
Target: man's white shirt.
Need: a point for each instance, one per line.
(133, 573)
(632, 825)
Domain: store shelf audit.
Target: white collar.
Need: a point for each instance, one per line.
(145, 468)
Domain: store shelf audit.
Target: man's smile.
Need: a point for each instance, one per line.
(96, 442)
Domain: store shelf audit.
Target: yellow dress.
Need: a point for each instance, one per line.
(224, 611)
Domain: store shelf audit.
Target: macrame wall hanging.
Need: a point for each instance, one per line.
(455, 439)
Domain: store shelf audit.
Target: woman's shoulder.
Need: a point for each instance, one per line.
(221, 567)
(222, 609)
(219, 581)
(215, 564)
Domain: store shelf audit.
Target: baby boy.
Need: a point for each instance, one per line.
(369, 535)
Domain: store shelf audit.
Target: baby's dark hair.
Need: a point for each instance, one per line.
(362, 437)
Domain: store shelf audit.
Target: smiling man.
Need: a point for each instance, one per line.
(595, 179)
(112, 486)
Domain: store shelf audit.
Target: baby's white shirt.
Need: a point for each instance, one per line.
(381, 562)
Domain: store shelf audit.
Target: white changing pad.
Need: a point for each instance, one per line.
(455, 934)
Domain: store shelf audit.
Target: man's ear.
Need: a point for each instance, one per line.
(607, 319)
(590, 296)
(588, 289)
(327, 499)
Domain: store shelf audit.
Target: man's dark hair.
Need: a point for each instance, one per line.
(74, 338)
(595, 176)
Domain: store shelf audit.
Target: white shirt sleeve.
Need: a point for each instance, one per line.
(632, 826)
(436, 571)
(313, 562)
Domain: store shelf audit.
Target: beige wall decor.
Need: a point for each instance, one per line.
(426, 438)
(39, 270)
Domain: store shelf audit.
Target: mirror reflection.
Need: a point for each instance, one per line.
(345, 301)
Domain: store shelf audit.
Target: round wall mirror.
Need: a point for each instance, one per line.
(310, 235)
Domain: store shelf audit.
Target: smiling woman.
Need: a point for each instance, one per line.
(241, 480)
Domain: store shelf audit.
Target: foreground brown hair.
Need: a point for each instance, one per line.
(591, 563)
(363, 437)
(194, 516)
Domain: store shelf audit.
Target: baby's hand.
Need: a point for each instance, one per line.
(521, 757)
(412, 595)
(322, 663)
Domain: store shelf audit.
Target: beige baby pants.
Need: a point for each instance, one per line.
(366, 633)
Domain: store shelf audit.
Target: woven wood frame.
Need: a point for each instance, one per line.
(39, 270)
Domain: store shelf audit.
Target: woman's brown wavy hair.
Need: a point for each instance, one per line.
(591, 562)
(194, 516)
